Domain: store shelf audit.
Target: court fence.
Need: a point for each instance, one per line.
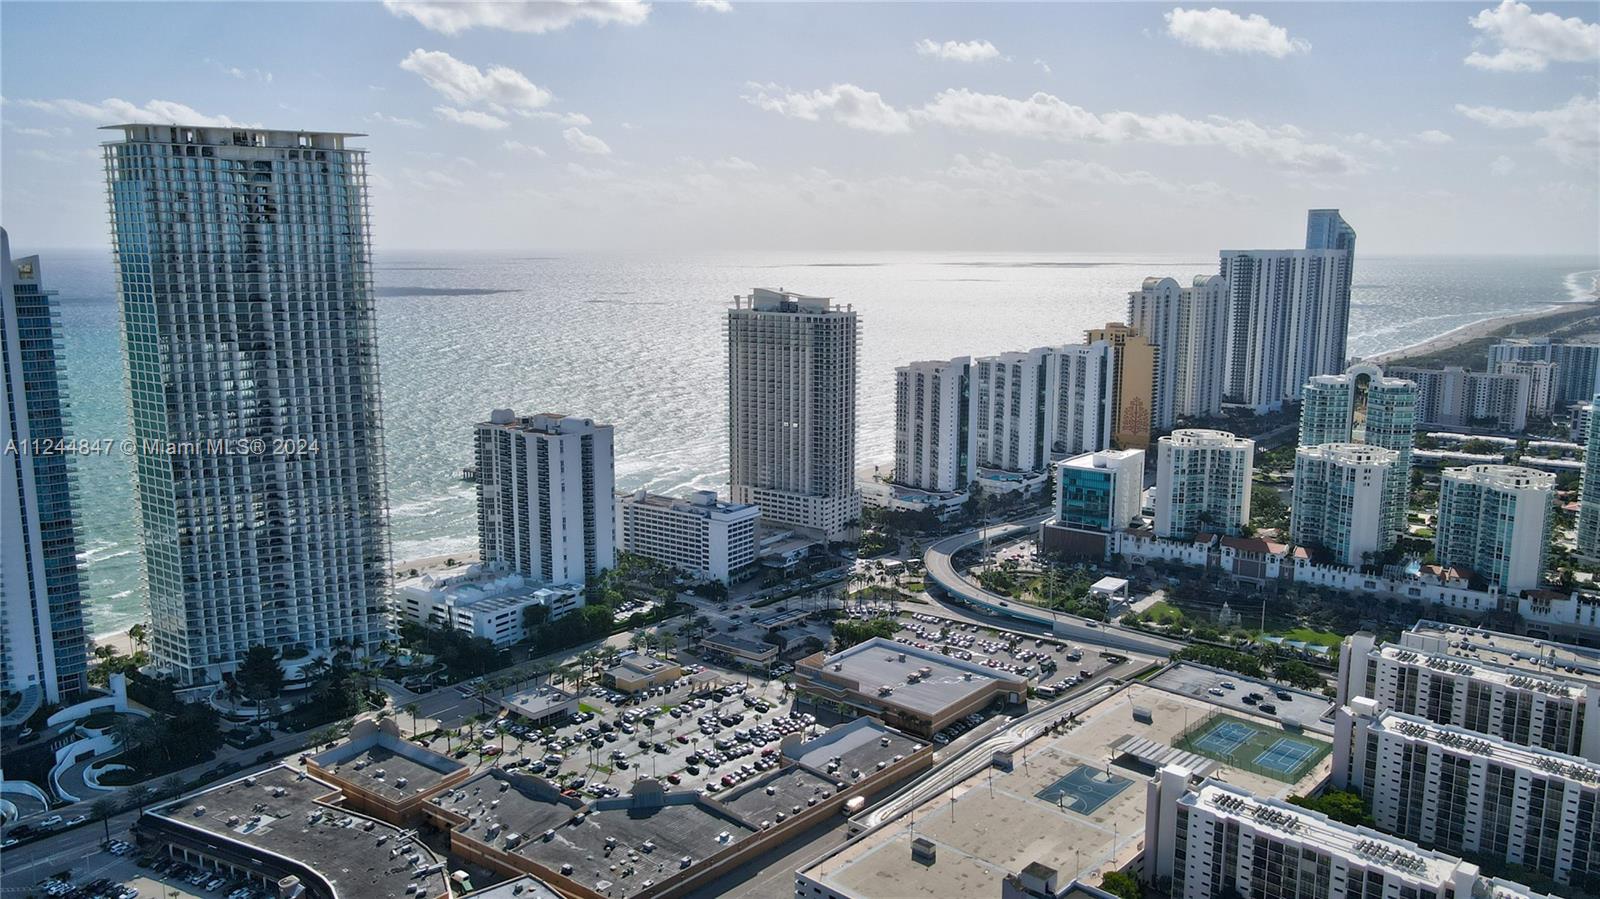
(1248, 746)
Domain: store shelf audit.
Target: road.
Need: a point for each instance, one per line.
(939, 563)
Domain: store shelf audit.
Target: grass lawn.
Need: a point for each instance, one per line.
(1307, 635)
(585, 707)
(1164, 612)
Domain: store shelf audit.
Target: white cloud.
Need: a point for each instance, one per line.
(590, 174)
(714, 5)
(115, 112)
(520, 147)
(565, 118)
(1569, 130)
(1367, 141)
(499, 87)
(525, 16)
(849, 105)
(1434, 136)
(1043, 65)
(1502, 166)
(472, 118)
(994, 171)
(37, 132)
(398, 121)
(1526, 41)
(241, 74)
(1049, 117)
(428, 179)
(1224, 31)
(735, 164)
(958, 51)
(585, 143)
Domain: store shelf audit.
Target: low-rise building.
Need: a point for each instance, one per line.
(1215, 839)
(485, 601)
(383, 774)
(541, 704)
(700, 534)
(633, 671)
(1468, 793)
(655, 843)
(290, 834)
(915, 690)
(754, 653)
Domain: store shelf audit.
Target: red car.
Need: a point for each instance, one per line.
(674, 779)
(683, 738)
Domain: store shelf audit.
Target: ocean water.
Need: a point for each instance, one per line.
(637, 341)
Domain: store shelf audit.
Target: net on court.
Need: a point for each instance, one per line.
(1253, 747)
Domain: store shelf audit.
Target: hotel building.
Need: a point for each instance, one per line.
(1363, 406)
(546, 507)
(1202, 483)
(1096, 494)
(1453, 397)
(700, 534)
(1133, 396)
(244, 275)
(792, 410)
(1495, 520)
(42, 652)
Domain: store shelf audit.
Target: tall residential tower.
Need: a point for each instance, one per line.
(792, 410)
(244, 275)
(42, 652)
(932, 425)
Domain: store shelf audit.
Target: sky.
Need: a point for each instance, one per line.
(724, 125)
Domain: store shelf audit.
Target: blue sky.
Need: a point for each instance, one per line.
(1069, 127)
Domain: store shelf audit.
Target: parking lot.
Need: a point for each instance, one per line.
(119, 872)
(1249, 695)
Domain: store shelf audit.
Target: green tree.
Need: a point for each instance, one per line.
(101, 810)
(139, 795)
(1345, 806)
(260, 675)
(1122, 885)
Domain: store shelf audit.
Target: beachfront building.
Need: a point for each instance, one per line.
(546, 507)
(1453, 397)
(1577, 364)
(1216, 839)
(1096, 495)
(1341, 501)
(1132, 398)
(932, 426)
(487, 601)
(698, 534)
(244, 274)
(1009, 408)
(1189, 328)
(42, 652)
(1363, 406)
(1541, 383)
(1525, 704)
(1080, 397)
(1494, 520)
(1288, 315)
(1467, 793)
(1202, 483)
(1589, 494)
(792, 410)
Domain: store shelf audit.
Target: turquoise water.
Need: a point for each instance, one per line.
(638, 341)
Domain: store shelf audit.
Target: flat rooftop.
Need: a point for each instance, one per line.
(1460, 741)
(386, 765)
(726, 641)
(877, 663)
(613, 845)
(1542, 680)
(536, 702)
(524, 887)
(279, 811)
(778, 794)
(864, 745)
(994, 822)
(1510, 650)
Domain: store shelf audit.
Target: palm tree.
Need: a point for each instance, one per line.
(411, 709)
(140, 635)
(101, 810)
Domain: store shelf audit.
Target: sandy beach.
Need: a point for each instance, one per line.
(1468, 333)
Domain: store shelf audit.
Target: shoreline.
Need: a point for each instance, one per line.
(1464, 334)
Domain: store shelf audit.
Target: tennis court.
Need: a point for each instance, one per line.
(1258, 748)
(1084, 789)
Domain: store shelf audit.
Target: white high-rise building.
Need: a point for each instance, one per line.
(1009, 410)
(1495, 521)
(1079, 398)
(42, 652)
(1340, 495)
(244, 275)
(932, 426)
(1289, 314)
(699, 534)
(1463, 792)
(1421, 676)
(792, 410)
(546, 502)
(1453, 397)
(1189, 327)
(1589, 492)
(1364, 406)
(1541, 383)
(1216, 839)
(1576, 376)
(1202, 483)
